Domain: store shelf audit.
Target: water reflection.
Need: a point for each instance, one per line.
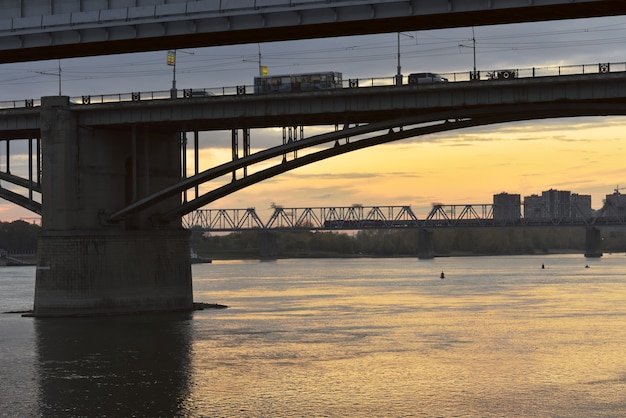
(123, 366)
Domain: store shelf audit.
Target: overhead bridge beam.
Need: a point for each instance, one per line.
(35, 30)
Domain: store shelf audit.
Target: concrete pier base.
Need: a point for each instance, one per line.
(425, 244)
(268, 248)
(87, 265)
(593, 243)
(113, 273)
(106, 274)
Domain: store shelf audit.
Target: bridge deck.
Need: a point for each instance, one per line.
(348, 105)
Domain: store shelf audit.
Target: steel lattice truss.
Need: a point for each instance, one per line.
(359, 217)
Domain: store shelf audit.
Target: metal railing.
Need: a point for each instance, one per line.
(465, 76)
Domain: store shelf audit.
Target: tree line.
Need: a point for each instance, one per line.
(404, 243)
(21, 237)
(18, 237)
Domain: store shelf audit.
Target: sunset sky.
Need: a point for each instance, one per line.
(583, 155)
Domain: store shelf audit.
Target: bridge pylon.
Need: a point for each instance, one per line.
(85, 265)
(593, 242)
(425, 244)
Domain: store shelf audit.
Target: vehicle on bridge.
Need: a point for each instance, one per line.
(426, 78)
(298, 82)
(502, 74)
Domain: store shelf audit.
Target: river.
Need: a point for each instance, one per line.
(497, 337)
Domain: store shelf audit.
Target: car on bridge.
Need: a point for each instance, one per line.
(426, 78)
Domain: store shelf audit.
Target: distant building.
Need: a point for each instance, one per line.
(506, 207)
(615, 205)
(581, 205)
(557, 204)
(533, 207)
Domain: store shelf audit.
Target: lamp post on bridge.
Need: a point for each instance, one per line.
(474, 75)
(399, 74)
(262, 68)
(171, 61)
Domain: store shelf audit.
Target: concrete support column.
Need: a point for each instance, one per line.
(85, 265)
(112, 272)
(425, 244)
(593, 242)
(268, 249)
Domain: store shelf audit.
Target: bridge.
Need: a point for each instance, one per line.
(359, 217)
(358, 117)
(34, 30)
(356, 217)
(110, 173)
(128, 188)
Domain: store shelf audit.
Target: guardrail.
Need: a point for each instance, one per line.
(548, 71)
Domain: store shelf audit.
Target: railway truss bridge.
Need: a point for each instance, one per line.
(358, 217)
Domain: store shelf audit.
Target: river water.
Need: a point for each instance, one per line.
(497, 337)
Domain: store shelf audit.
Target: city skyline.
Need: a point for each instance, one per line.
(458, 167)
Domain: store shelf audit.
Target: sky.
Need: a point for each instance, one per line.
(582, 155)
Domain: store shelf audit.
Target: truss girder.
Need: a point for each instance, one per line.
(380, 217)
(224, 219)
(36, 30)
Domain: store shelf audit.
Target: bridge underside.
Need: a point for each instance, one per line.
(47, 30)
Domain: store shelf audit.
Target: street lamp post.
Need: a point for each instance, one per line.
(474, 49)
(399, 73)
(474, 75)
(59, 77)
(171, 60)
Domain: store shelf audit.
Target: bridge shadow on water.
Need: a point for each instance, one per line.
(121, 366)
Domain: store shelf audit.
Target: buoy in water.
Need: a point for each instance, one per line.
(442, 276)
(543, 267)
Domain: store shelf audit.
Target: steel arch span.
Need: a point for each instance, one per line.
(355, 138)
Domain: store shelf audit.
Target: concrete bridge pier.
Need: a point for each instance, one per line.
(86, 266)
(425, 244)
(593, 242)
(268, 248)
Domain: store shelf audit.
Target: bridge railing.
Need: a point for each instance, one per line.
(189, 93)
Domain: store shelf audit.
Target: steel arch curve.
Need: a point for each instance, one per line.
(437, 122)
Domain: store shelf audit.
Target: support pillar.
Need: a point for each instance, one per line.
(593, 243)
(425, 244)
(268, 249)
(86, 266)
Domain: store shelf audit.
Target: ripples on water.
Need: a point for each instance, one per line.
(499, 336)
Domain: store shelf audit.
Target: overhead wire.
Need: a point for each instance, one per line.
(426, 45)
